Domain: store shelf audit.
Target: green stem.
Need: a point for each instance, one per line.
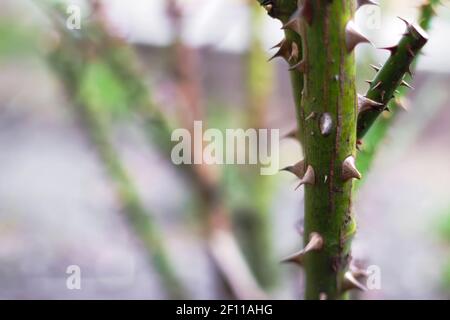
(329, 94)
(69, 62)
(391, 75)
(377, 134)
(137, 215)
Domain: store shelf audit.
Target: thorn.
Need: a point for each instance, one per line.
(298, 169)
(349, 170)
(408, 71)
(377, 85)
(293, 22)
(365, 2)
(308, 178)
(315, 244)
(300, 67)
(268, 8)
(284, 51)
(278, 45)
(365, 104)
(392, 50)
(374, 67)
(408, 24)
(406, 84)
(326, 124)
(350, 282)
(294, 52)
(353, 36)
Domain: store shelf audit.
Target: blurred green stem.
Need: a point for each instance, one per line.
(70, 61)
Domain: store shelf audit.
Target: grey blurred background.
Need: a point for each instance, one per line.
(58, 208)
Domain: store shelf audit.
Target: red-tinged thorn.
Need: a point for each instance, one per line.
(353, 36)
(307, 12)
(284, 51)
(293, 22)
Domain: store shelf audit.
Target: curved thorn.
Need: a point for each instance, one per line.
(349, 170)
(353, 36)
(297, 169)
(309, 177)
(365, 104)
(350, 282)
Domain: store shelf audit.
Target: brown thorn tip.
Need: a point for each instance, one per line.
(308, 178)
(293, 22)
(408, 24)
(284, 50)
(279, 44)
(349, 170)
(392, 50)
(376, 68)
(298, 169)
(353, 36)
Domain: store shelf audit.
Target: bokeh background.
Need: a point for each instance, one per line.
(86, 180)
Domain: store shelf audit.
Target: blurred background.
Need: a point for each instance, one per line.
(86, 177)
